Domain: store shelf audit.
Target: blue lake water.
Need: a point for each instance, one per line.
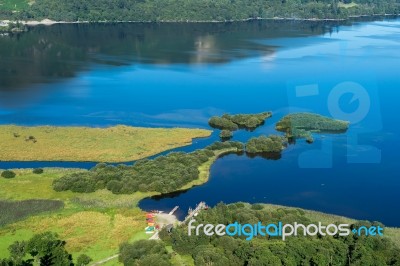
(180, 75)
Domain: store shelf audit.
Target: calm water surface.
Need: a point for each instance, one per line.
(179, 75)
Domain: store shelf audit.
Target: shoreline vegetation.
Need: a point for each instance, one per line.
(164, 174)
(49, 22)
(80, 144)
(75, 11)
(13, 27)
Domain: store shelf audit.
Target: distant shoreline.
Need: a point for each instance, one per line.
(49, 22)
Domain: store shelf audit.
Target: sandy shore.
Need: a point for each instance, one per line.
(47, 22)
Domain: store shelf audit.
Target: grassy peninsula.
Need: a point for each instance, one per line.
(163, 174)
(113, 144)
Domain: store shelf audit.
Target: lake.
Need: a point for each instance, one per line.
(168, 75)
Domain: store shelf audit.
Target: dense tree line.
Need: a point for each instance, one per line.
(222, 123)
(249, 121)
(42, 249)
(272, 143)
(234, 122)
(310, 121)
(264, 250)
(195, 10)
(144, 253)
(163, 174)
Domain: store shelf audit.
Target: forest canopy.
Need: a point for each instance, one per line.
(42, 249)
(268, 250)
(234, 122)
(163, 174)
(191, 10)
(301, 125)
(272, 143)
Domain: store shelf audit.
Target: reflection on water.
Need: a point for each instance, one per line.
(47, 53)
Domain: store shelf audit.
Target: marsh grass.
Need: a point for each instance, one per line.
(13, 211)
(113, 144)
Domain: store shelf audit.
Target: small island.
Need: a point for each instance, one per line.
(302, 125)
(225, 134)
(264, 144)
(239, 121)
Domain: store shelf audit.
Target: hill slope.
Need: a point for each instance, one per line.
(190, 10)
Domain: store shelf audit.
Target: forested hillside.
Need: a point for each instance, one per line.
(270, 250)
(191, 10)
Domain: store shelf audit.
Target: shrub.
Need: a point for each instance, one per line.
(38, 171)
(144, 252)
(257, 206)
(226, 134)
(8, 174)
(83, 260)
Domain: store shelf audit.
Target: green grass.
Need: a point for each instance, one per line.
(15, 5)
(9, 237)
(113, 144)
(96, 229)
(204, 169)
(349, 5)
